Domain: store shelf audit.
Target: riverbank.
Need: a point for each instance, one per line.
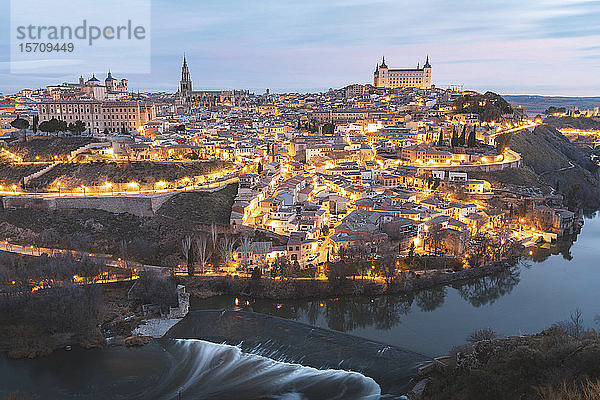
(287, 289)
(65, 326)
(551, 365)
(24, 341)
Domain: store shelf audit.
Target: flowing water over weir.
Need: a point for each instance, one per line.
(290, 341)
(206, 370)
(297, 361)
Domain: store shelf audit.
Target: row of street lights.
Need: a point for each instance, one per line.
(109, 186)
(12, 187)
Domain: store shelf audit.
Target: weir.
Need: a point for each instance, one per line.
(289, 341)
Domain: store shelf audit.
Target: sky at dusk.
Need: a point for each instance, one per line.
(508, 46)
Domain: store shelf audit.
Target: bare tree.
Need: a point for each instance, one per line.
(577, 321)
(202, 251)
(504, 231)
(245, 246)
(573, 326)
(124, 248)
(482, 334)
(188, 253)
(434, 239)
(225, 248)
(214, 235)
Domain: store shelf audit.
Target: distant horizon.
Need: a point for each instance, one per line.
(259, 90)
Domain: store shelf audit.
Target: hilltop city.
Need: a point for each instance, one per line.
(189, 214)
(399, 166)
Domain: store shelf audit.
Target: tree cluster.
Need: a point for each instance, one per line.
(59, 306)
(555, 110)
(155, 288)
(490, 106)
(465, 139)
(55, 125)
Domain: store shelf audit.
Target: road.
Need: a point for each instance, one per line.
(37, 251)
(231, 178)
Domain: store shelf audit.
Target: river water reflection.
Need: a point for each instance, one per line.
(542, 290)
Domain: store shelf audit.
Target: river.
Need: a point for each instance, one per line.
(544, 289)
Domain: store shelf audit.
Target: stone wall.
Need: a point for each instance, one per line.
(142, 206)
(26, 202)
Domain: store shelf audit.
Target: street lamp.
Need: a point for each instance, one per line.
(84, 188)
(58, 185)
(160, 185)
(14, 188)
(133, 185)
(109, 185)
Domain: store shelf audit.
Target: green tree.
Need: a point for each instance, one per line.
(471, 141)
(462, 138)
(36, 121)
(178, 128)
(188, 253)
(555, 110)
(502, 142)
(53, 125)
(454, 140)
(20, 123)
(79, 127)
(328, 128)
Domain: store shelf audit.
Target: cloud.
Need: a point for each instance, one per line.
(547, 46)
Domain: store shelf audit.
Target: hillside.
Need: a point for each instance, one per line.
(560, 164)
(582, 123)
(538, 104)
(542, 366)
(201, 207)
(47, 148)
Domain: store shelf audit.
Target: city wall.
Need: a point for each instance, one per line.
(143, 206)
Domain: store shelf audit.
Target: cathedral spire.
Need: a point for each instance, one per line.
(185, 85)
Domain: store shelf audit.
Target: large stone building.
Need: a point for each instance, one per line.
(394, 78)
(97, 116)
(92, 88)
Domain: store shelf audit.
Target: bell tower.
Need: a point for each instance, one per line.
(185, 85)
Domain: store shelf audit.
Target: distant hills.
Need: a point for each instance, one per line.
(582, 123)
(538, 104)
(561, 164)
